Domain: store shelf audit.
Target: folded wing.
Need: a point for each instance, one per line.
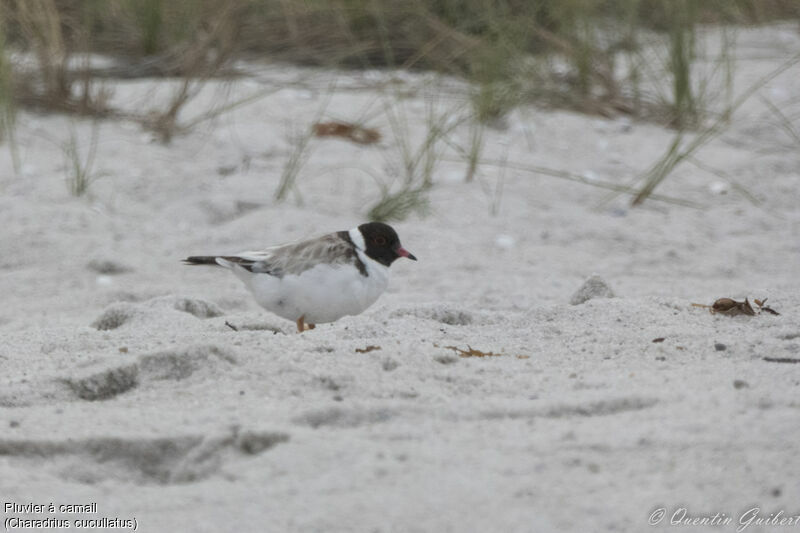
(287, 259)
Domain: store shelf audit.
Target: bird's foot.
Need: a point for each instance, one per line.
(302, 326)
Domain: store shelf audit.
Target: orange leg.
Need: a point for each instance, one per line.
(302, 326)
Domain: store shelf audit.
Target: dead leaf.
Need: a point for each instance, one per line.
(357, 134)
(730, 307)
(659, 339)
(762, 306)
(472, 352)
(370, 348)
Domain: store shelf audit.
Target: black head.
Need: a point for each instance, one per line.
(382, 243)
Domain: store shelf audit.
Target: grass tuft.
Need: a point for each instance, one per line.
(79, 169)
(400, 204)
(415, 162)
(680, 149)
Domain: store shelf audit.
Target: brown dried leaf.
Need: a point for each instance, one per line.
(370, 348)
(730, 307)
(472, 352)
(763, 307)
(357, 134)
(723, 305)
(659, 339)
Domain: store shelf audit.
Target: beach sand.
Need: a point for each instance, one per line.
(123, 386)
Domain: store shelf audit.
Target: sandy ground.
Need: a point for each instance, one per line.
(122, 385)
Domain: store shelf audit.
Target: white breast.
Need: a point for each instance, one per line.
(321, 294)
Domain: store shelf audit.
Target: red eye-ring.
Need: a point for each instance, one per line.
(380, 241)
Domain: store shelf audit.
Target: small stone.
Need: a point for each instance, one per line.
(505, 242)
(740, 384)
(718, 187)
(590, 175)
(720, 347)
(593, 287)
(13, 423)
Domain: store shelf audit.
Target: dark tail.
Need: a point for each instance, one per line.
(201, 260)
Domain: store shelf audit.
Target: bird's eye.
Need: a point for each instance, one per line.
(380, 241)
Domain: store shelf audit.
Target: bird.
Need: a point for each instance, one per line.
(318, 280)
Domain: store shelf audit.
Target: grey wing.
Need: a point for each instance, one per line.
(296, 258)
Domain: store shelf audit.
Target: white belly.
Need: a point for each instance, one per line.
(324, 293)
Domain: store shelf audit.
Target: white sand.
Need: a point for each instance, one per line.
(582, 424)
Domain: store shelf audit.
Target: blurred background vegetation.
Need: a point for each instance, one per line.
(507, 47)
(607, 57)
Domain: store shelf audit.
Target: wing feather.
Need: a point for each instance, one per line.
(296, 258)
